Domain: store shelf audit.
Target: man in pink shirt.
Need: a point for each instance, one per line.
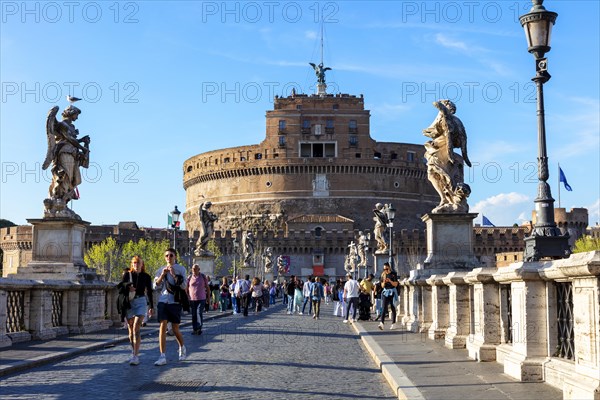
(197, 289)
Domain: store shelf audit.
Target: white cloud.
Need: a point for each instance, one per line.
(312, 35)
(594, 213)
(504, 209)
(451, 43)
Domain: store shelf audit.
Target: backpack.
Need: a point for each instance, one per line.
(315, 290)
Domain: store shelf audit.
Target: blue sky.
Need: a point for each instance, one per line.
(163, 81)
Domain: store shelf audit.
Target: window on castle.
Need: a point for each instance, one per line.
(282, 124)
(410, 156)
(353, 141)
(394, 156)
(317, 150)
(377, 155)
(318, 232)
(281, 141)
(306, 124)
(352, 124)
(258, 156)
(336, 106)
(329, 123)
(226, 160)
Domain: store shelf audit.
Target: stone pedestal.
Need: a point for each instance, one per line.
(485, 334)
(269, 277)
(58, 246)
(379, 260)
(449, 242)
(206, 263)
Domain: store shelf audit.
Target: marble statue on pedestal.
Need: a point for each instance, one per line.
(248, 248)
(66, 153)
(207, 221)
(381, 222)
(268, 259)
(444, 167)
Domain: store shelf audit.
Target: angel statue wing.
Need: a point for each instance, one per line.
(51, 123)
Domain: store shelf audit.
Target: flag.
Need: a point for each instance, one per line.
(563, 179)
(485, 221)
(169, 221)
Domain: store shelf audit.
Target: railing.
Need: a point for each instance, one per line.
(540, 320)
(15, 319)
(41, 310)
(564, 306)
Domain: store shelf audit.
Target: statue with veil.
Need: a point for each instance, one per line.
(445, 169)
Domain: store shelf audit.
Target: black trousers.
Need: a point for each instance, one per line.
(388, 300)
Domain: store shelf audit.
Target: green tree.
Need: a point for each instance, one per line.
(150, 251)
(106, 258)
(110, 259)
(586, 243)
(4, 223)
(219, 264)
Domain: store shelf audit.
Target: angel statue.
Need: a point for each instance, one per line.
(248, 248)
(268, 258)
(362, 247)
(281, 265)
(207, 220)
(66, 153)
(381, 222)
(320, 72)
(444, 167)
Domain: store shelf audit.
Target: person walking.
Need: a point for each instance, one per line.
(306, 294)
(244, 293)
(137, 281)
(198, 290)
(351, 289)
(171, 281)
(389, 281)
(224, 294)
(235, 301)
(256, 290)
(290, 291)
(316, 294)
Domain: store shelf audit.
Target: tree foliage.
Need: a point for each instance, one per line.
(106, 258)
(4, 223)
(110, 259)
(219, 264)
(586, 243)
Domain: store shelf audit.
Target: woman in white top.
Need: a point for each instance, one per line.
(257, 293)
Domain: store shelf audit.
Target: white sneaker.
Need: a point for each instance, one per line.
(162, 360)
(299, 313)
(345, 321)
(380, 325)
(182, 353)
(392, 327)
(135, 360)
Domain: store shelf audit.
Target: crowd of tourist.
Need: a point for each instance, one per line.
(197, 293)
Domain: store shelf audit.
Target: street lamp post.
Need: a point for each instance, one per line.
(546, 239)
(175, 225)
(390, 212)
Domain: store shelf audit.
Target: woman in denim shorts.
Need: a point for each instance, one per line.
(139, 282)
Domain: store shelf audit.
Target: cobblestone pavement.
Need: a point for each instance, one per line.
(265, 356)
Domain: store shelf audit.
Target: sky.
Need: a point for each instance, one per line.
(163, 81)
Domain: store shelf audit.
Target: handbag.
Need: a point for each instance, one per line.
(131, 294)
